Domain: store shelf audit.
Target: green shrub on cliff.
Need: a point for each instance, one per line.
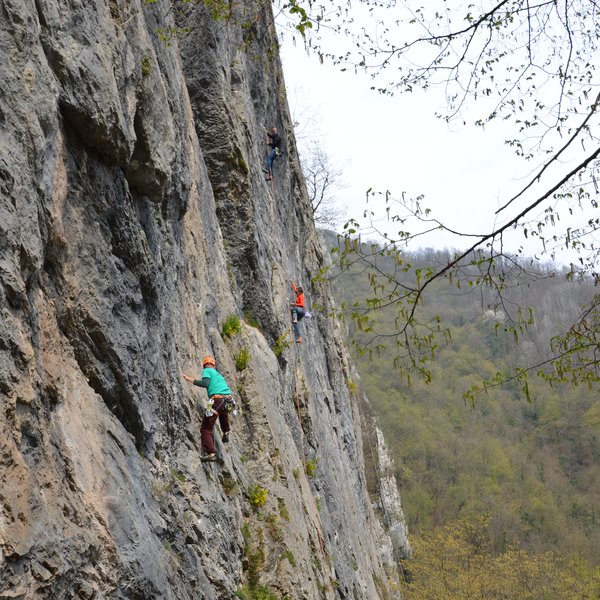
(231, 326)
(281, 344)
(256, 593)
(242, 359)
(257, 495)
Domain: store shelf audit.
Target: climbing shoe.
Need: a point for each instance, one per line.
(299, 340)
(268, 178)
(225, 437)
(266, 171)
(209, 458)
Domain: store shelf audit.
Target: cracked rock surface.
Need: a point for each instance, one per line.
(134, 221)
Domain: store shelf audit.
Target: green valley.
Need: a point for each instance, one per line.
(524, 473)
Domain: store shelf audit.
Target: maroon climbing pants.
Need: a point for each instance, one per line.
(208, 425)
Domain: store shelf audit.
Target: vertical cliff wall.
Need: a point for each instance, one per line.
(135, 219)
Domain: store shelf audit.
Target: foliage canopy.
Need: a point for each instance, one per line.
(530, 66)
(455, 563)
(532, 468)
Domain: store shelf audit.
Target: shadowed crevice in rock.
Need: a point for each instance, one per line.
(103, 368)
(143, 174)
(107, 140)
(6, 179)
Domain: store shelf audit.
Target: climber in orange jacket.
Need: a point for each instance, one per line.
(298, 312)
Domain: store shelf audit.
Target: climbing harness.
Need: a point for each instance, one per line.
(228, 404)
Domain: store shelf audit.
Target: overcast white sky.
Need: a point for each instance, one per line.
(396, 143)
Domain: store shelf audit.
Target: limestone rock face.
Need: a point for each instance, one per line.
(134, 220)
(390, 505)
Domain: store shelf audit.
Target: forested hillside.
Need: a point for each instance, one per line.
(528, 469)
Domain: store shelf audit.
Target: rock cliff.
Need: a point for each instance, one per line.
(136, 221)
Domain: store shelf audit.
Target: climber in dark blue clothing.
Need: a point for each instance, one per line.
(274, 142)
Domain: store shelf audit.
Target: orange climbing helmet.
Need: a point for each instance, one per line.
(208, 361)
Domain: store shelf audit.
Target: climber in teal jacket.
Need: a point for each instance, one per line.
(218, 395)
